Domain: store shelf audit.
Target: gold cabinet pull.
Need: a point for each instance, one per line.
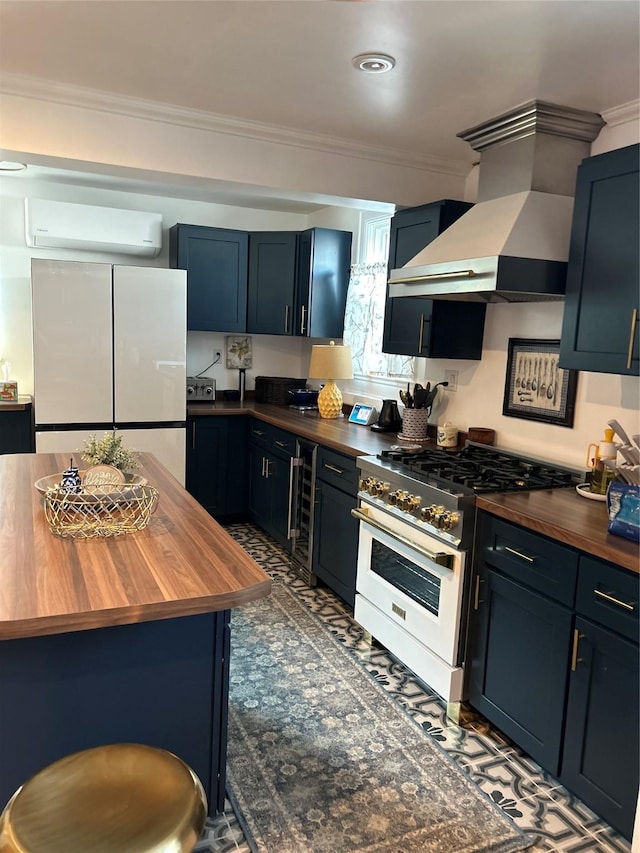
(519, 554)
(434, 276)
(333, 468)
(614, 600)
(193, 434)
(421, 335)
(476, 593)
(302, 318)
(286, 318)
(575, 660)
(632, 334)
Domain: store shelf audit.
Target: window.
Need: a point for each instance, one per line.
(366, 297)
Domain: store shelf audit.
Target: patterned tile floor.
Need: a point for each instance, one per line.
(533, 799)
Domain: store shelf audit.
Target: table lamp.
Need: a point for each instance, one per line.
(330, 363)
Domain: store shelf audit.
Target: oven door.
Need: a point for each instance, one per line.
(411, 603)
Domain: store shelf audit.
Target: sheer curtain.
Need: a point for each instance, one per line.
(364, 324)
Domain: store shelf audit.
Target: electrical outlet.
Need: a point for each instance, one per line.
(451, 376)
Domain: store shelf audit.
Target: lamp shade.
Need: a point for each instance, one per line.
(330, 362)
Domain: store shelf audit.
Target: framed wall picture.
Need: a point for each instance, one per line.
(535, 387)
(239, 351)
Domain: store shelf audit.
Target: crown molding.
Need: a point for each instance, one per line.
(77, 96)
(622, 114)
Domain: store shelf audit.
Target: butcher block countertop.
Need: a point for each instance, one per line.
(563, 515)
(182, 563)
(336, 433)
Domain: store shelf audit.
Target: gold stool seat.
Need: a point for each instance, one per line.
(120, 798)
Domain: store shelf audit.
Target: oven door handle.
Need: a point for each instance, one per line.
(441, 558)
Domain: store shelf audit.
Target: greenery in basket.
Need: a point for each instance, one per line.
(108, 450)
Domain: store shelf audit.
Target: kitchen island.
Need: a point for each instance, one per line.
(119, 639)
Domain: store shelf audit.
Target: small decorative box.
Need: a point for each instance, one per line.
(8, 390)
(623, 503)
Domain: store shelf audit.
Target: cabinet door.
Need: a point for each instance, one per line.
(335, 540)
(16, 431)
(601, 752)
(207, 462)
(259, 491)
(600, 323)
(324, 259)
(519, 664)
(423, 327)
(216, 261)
(272, 275)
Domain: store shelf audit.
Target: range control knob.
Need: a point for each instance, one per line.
(409, 503)
(432, 512)
(380, 488)
(448, 520)
(366, 484)
(397, 496)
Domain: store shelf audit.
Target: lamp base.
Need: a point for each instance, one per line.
(330, 400)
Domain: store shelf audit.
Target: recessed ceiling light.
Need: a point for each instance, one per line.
(8, 166)
(373, 63)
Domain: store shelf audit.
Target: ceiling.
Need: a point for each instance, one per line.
(288, 64)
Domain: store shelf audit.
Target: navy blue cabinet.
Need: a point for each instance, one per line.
(324, 262)
(216, 263)
(520, 656)
(600, 324)
(604, 694)
(16, 430)
(553, 661)
(433, 328)
(272, 282)
(270, 453)
(335, 538)
(217, 463)
(298, 282)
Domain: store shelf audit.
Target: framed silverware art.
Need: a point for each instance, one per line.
(536, 388)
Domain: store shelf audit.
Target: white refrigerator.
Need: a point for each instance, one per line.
(109, 346)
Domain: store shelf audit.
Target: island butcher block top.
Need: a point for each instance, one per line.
(182, 563)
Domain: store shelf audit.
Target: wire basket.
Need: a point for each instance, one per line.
(99, 510)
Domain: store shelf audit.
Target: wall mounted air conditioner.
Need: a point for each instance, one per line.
(63, 225)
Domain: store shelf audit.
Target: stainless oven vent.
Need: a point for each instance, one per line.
(513, 245)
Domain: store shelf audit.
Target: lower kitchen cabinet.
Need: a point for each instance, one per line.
(554, 661)
(16, 431)
(520, 662)
(216, 463)
(270, 453)
(604, 691)
(335, 539)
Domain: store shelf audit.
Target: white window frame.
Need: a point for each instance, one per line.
(373, 247)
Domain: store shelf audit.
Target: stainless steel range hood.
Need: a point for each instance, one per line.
(513, 245)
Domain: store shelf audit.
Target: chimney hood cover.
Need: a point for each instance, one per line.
(513, 245)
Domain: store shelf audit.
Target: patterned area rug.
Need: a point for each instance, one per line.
(321, 760)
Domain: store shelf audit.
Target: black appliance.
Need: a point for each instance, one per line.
(389, 419)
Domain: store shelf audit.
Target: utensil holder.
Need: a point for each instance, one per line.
(414, 423)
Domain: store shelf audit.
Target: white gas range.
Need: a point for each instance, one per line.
(417, 516)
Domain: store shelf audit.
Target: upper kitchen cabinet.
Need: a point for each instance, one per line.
(600, 323)
(417, 326)
(324, 260)
(272, 282)
(298, 282)
(216, 263)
